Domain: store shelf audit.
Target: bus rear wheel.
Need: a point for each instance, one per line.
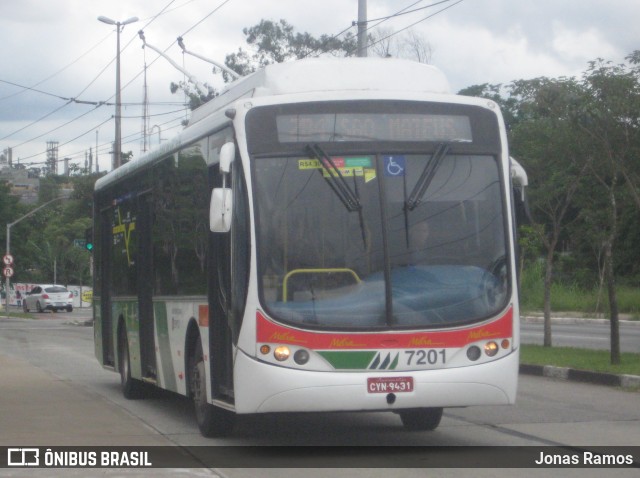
(212, 421)
(421, 419)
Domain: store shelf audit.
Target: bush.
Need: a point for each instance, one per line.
(571, 297)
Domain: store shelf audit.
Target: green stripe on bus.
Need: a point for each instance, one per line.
(348, 360)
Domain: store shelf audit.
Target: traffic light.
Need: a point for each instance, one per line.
(88, 239)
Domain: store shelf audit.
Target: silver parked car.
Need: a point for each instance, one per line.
(48, 297)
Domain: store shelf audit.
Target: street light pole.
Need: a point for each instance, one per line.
(117, 149)
(9, 226)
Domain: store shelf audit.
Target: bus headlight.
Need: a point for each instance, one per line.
(281, 353)
(491, 348)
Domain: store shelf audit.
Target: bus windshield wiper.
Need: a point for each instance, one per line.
(335, 179)
(429, 171)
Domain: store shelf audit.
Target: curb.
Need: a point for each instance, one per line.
(584, 376)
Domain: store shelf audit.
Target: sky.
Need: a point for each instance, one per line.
(57, 61)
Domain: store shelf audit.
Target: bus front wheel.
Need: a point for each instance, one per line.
(421, 419)
(212, 421)
(131, 388)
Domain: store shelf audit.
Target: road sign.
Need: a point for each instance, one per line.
(7, 259)
(8, 271)
(87, 296)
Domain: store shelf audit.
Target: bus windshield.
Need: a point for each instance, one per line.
(380, 239)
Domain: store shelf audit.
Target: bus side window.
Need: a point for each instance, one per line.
(240, 249)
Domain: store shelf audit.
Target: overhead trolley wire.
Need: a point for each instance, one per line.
(101, 103)
(75, 100)
(205, 17)
(29, 88)
(36, 121)
(131, 138)
(70, 141)
(404, 11)
(32, 87)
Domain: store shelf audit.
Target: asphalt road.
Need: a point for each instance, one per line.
(590, 334)
(548, 412)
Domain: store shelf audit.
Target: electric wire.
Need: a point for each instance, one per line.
(405, 12)
(29, 88)
(104, 147)
(415, 23)
(72, 100)
(53, 75)
(381, 20)
(69, 141)
(36, 121)
(57, 128)
(205, 17)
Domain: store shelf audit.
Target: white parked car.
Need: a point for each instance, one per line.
(48, 297)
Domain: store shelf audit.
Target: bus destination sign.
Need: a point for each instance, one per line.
(333, 127)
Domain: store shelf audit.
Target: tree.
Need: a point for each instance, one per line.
(545, 140)
(196, 98)
(611, 120)
(384, 42)
(508, 104)
(277, 42)
(46, 238)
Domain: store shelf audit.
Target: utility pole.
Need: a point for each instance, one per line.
(362, 28)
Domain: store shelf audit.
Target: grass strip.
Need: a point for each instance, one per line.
(580, 359)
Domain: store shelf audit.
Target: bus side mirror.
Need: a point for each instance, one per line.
(519, 177)
(220, 210)
(221, 205)
(227, 155)
(520, 181)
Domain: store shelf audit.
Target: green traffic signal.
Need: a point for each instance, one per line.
(88, 239)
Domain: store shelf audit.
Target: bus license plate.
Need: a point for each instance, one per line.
(390, 384)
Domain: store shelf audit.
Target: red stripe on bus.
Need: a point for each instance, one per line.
(270, 332)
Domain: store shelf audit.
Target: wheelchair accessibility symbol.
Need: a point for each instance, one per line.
(394, 166)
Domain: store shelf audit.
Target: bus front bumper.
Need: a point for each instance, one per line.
(265, 388)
